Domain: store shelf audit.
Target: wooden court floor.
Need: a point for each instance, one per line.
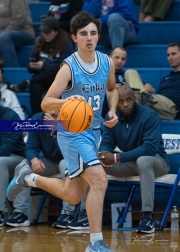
(44, 238)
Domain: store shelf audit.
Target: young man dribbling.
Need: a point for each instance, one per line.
(85, 75)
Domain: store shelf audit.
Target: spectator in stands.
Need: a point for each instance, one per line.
(151, 10)
(167, 98)
(16, 30)
(166, 102)
(131, 76)
(141, 150)
(116, 18)
(50, 49)
(119, 57)
(64, 10)
(43, 155)
(8, 98)
(11, 153)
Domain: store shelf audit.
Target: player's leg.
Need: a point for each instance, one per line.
(97, 180)
(70, 190)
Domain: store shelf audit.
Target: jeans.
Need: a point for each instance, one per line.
(10, 43)
(121, 31)
(7, 166)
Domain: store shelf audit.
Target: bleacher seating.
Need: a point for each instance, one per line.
(147, 55)
(158, 32)
(24, 55)
(38, 10)
(16, 75)
(150, 56)
(151, 75)
(137, 55)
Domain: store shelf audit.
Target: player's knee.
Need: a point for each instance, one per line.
(100, 183)
(74, 200)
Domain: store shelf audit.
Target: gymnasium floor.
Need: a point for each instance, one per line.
(44, 238)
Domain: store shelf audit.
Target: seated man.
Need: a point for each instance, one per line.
(131, 76)
(167, 97)
(138, 136)
(11, 153)
(116, 18)
(44, 157)
(119, 57)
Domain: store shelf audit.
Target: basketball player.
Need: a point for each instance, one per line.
(85, 75)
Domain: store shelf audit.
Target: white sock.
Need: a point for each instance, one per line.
(96, 237)
(31, 179)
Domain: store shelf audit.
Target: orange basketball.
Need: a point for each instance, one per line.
(76, 116)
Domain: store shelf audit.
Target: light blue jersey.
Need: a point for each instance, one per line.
(90, 85)
(80, 151)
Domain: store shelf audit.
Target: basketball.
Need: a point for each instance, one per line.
(76, 116)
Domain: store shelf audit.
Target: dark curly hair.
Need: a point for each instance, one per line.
(81, 20)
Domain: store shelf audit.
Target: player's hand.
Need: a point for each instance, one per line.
(113, 120)
(78, 97)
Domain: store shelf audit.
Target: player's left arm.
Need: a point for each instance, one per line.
(112, 97)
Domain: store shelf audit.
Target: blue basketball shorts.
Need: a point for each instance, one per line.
(79, 150)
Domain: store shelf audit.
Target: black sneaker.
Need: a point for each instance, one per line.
(1, 219)
(63, 221)
(147, 99)
(81, 223)
(146, 225)
(18, 220)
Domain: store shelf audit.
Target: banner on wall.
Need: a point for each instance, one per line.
(171, 143)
